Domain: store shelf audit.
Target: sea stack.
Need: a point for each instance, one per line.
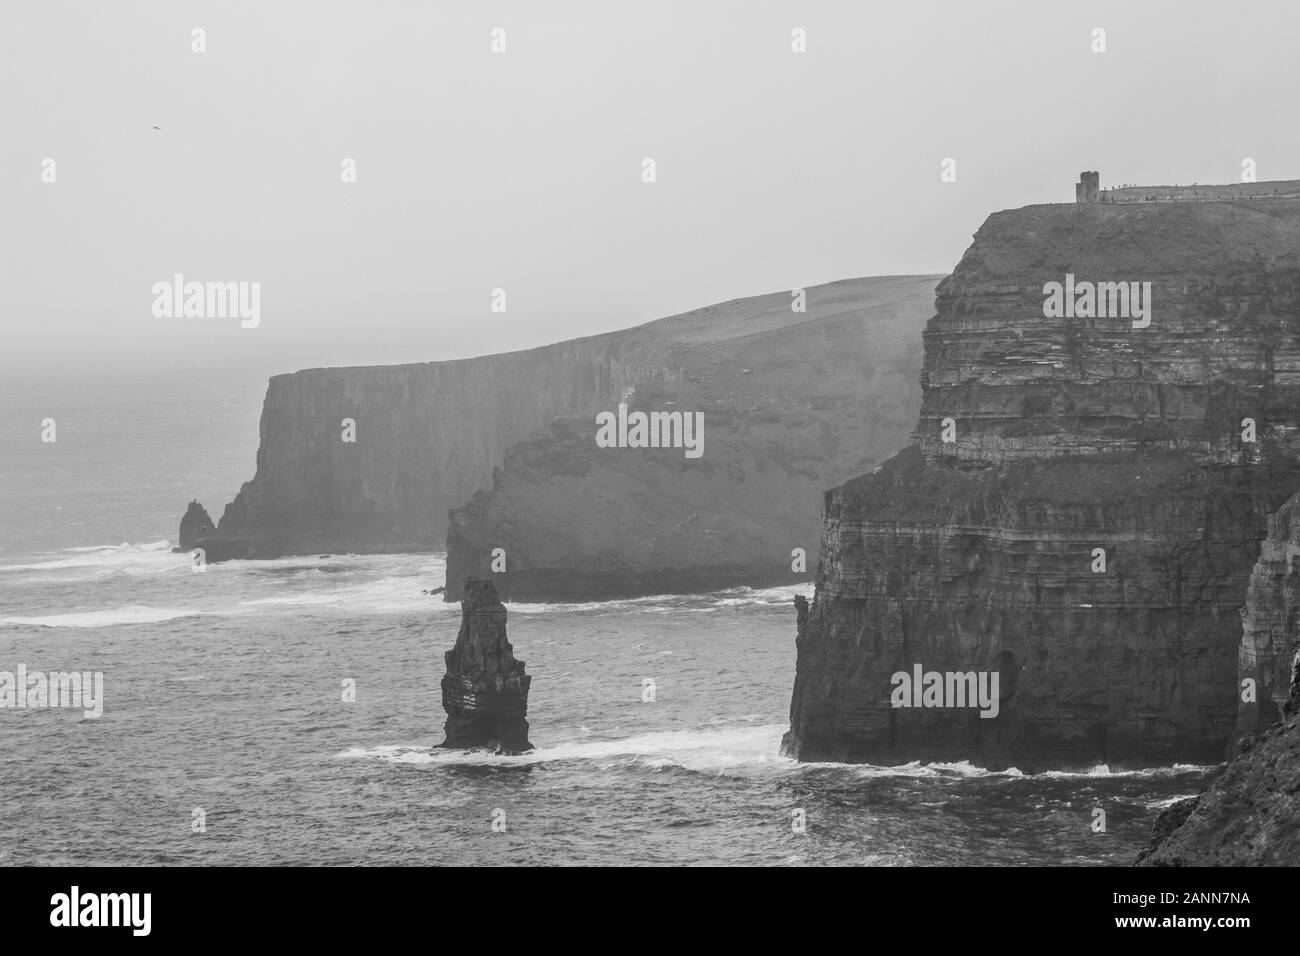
(485, 690)
(195, 523)
(199, 532)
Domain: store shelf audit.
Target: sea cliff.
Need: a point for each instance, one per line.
(786, 404)
(1083, 501)
(795, 399)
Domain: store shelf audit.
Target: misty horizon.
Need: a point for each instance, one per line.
(477, 170)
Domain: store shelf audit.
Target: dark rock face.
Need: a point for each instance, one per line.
(1169, 820)
(428, 436)
(194, 524)
(787, 410)
(1071, 434)
(991, 570)
(1250, 814)
(224, 547)
(485, 690)
(199, 531)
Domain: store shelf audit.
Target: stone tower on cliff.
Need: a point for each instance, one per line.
(1088, 188)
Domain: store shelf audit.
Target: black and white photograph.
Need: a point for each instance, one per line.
(574, 434)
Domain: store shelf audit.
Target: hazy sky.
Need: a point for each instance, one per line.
(523, 170)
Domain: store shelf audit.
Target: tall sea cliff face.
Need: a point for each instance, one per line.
(786, 403)
(428, 436)
(1082, 505)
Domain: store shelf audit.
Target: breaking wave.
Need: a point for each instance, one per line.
(129, 614)
(713, 750)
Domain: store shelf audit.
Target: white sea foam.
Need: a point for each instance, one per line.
(917, 768)
(155, 556)
(713, 750)
(124, 546)
(129, 614)
(370, 584)
(677, 603)
(385, 595)
(1166, 802)
(1102, 770)
(748, 597)
(702, 750)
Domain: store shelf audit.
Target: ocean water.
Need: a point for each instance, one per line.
(223, 694)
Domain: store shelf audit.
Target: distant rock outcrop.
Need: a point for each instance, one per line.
(799, 391)
(787, 403)
(195, 523)
(198, 532)
(485, 690)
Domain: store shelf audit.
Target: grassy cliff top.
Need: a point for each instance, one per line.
(1132, 241)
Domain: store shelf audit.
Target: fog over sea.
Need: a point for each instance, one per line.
(222, 691)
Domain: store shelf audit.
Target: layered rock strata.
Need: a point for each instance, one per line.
(485, 689)
(1082, 505)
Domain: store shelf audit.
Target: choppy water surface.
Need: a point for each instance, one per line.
(223, 692)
